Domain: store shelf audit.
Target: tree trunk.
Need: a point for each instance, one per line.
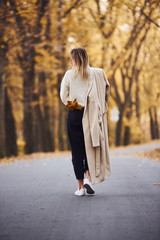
(3, 63)
(48, 143)
(28, 83)
(2, 115)
(10, 130)
(62, 134)
(126, 139)
(8, 144)
(126, 135)
(63, 143)
(137, 95)
(119, 129)
(38, 125)
(156, 123)
(153, 123)
(152, 128)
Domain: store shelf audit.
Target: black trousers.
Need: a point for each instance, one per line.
(76, 139)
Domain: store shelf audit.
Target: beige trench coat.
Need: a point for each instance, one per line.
(95, 126)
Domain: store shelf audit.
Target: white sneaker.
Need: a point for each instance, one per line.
(80, 192)
(88, 185)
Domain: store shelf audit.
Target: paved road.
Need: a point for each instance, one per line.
(135, 148)
(37, 201)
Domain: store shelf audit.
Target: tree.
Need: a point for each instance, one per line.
(8, 145)
(29, 33)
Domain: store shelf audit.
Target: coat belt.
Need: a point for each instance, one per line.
(100, 118)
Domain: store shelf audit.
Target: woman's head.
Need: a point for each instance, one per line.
(80, 61)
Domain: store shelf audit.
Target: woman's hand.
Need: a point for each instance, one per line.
(73, 105)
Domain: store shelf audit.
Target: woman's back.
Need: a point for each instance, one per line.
(73, 87)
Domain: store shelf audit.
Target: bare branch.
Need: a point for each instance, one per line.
(149, 19)
(98, 7)
(146, 16)
(74, 5)
(123, 81)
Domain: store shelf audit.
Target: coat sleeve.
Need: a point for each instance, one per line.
(64, 89)
(107, 93)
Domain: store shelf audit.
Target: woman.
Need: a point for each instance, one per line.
(82, 94)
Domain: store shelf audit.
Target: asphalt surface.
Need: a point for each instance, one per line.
(37, 201)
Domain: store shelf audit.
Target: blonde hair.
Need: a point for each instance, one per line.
(81, 62)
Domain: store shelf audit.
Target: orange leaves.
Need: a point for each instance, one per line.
(73, 105)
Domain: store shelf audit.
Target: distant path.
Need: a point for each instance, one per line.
(37, 201)
(135, 148)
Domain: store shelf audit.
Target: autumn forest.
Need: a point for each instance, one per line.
(36, 37)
